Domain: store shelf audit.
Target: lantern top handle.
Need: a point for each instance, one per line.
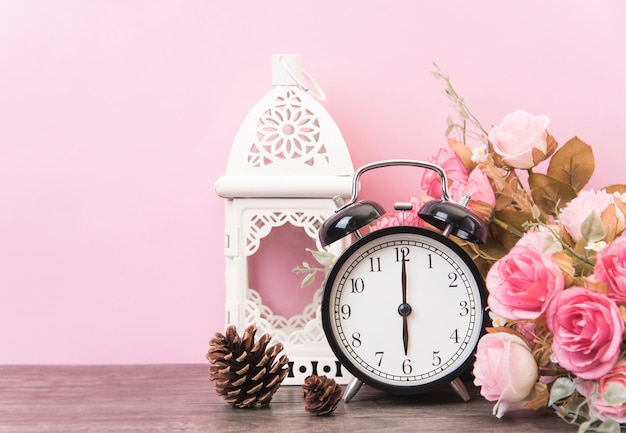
(395, 162)
(291, 64)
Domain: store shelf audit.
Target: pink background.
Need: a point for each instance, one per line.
(116, 118)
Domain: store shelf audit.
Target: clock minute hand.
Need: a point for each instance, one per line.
(404, 309)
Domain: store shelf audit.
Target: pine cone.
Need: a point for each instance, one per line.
(244, 371)
(321, 395)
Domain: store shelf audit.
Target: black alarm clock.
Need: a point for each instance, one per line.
(403, 307)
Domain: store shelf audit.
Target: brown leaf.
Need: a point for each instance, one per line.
(573, 164)
(619, 189)
(550, 194)
(510, 223)
(503, 200)
(601, 287)
(540, 399)
(464, 153)
(582, 268)
(612, 224)
(484, 255)
(481, 209)
(565, 263)
(507, 190)
(473, 251)
(538, 156)
(507, 330)
(552, 145)
(497, 159)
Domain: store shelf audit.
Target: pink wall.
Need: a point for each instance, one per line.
(116, 118)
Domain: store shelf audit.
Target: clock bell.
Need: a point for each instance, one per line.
(445, 214)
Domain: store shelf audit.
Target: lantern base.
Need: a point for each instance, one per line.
(300, 367)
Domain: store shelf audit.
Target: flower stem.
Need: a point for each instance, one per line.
(563, 243)
(454, 97)
(507, 227)
(309, 270)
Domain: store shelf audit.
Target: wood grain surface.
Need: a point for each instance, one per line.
(180, 398)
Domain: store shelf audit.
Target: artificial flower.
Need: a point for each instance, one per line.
(587, 328)
(611, 268)
(461, 181)
(554, 264)
(579, 210)
(505, 369)
(522, 283)
(452, 165)
(555, 267)
(608, 394)
(541, 240)
(521, 140)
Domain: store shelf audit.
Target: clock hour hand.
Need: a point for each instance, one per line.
(405, 335)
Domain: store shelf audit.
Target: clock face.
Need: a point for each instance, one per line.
(403, 309)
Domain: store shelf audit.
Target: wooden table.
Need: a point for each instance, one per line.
(179, 398)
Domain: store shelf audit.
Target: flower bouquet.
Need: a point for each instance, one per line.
(554, 265)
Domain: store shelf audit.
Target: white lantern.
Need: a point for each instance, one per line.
(287, 162)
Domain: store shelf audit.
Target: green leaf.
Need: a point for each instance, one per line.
(573, 164)
(549, 193)
(609, 426)
(562, 388)
(308, 280)
(450, 126)
(324, 258)
(615, 394)
(536, 212)
(592, 228)
(585, 426)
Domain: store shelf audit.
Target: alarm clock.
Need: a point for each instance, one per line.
(403, 307)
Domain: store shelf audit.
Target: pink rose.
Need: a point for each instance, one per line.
(603, 408)
(521, 139)
(451, 164)
(522, 283)
(482, 198)
(611, 268)
(587, 328)
(395, 219)
(505, 370)
(478, 187)
(541, 240)
(577, 210)
(475, 184)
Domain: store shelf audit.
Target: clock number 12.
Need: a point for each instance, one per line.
(402, 254)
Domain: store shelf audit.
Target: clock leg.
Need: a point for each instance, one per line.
(458, 387)
(351, 390)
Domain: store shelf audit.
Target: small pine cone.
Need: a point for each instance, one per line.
(321, 395)
(244, 372)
